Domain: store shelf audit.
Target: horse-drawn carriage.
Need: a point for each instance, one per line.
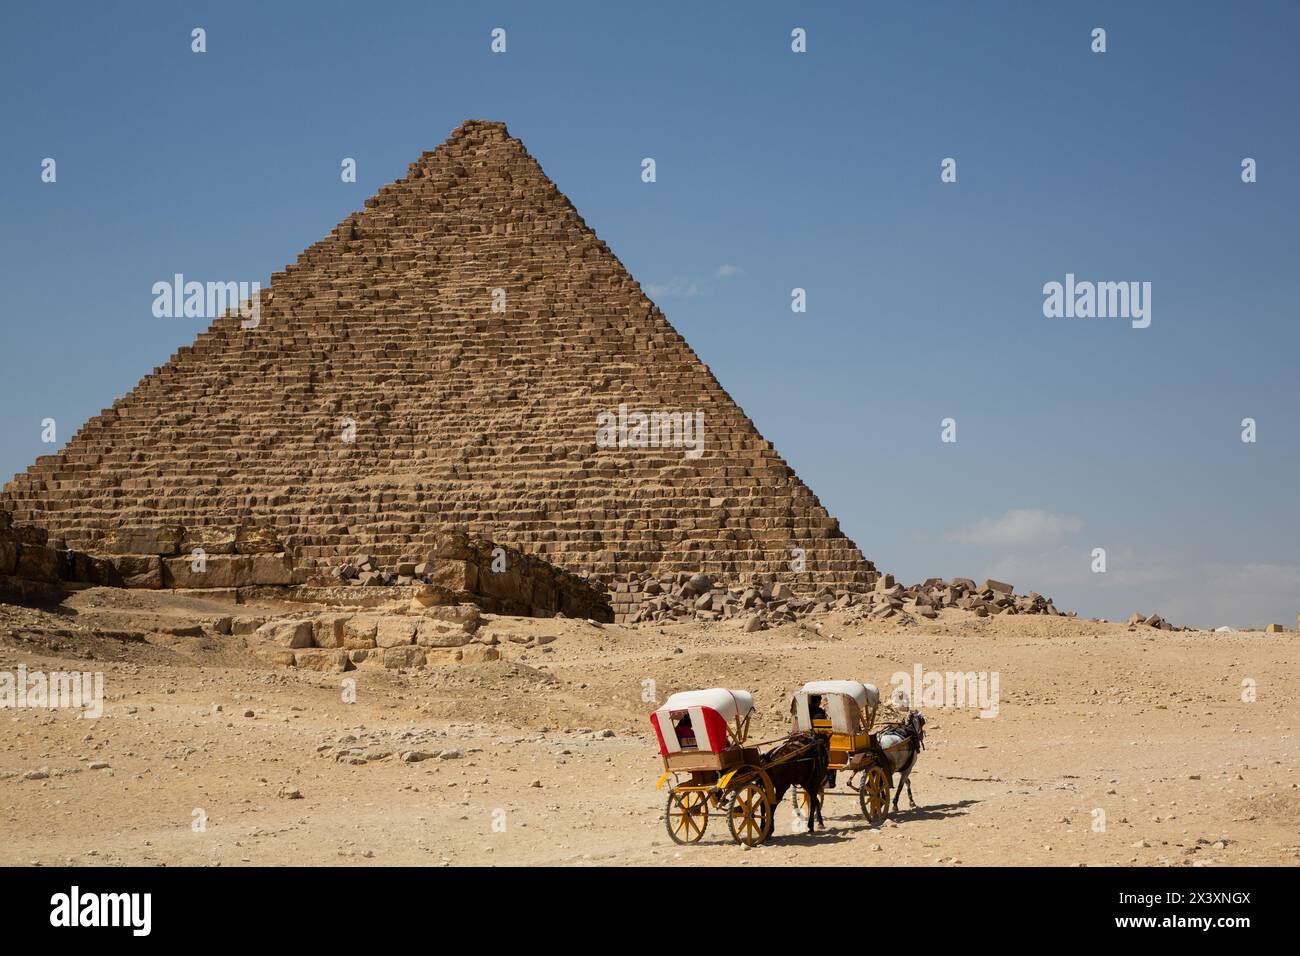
(702, 739)
(844, 712)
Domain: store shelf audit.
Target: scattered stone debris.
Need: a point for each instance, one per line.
(1154, 621)
(767, 603)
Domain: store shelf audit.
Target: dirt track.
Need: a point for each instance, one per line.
(1147, 726)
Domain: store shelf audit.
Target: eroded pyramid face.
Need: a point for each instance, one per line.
(462, 354)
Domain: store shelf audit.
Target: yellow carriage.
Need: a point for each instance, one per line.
(844, 711)
(702, 735)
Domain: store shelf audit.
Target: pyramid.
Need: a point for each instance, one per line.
(465, 418)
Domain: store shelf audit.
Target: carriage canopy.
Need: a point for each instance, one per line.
(703, 720)
(849, 705)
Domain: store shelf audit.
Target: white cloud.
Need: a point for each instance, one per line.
(1182, 586)
(1022, 527)
(684, 287)
(676, 287)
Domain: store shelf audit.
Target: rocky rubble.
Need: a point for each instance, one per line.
(768, 603)
(1153, 620)
(363, 570)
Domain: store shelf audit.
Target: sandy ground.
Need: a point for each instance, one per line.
(552, 760)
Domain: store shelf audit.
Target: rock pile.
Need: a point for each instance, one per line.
(1153, 620)
(363, 570)
(934, 594)
(767, 603)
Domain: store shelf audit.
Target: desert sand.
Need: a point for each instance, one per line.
(546, 757)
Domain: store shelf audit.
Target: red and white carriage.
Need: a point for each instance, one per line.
(702, 735)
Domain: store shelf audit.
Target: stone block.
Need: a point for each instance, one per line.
(275, 655)
(442, 656)
(467, 617)
(293, 634)
(441, 634)
(257, 539)
(395, 632)
(404, 656)
(478, 654)
(270, 569)
(328, 630)
(214, 571)
(456, 575)
(209, 540)
(322, 659)
(359, 632)
(162, 540)
(38, 562)
(365, 657)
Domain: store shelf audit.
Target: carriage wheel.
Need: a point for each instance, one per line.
(799, 799)
(749, 814)
(873, 795)
(686, 816)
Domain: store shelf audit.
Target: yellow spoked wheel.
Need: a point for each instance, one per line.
(686, 816)
(873, 795)
(749, 814)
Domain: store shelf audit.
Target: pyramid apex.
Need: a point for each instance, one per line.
(477, 127)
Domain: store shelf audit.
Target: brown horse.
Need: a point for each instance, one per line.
(799, 762)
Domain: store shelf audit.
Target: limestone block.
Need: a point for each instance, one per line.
(395, 632)
(275, 655)
(441, 634)
(328, 630)
(365, 657)
(218, 571)
(478, 654)
(210, 541)
(292, 634)
(456, 575)
(37, 562)
(321, 659)
(404, 656)
(465, 616)
(359, 632)
(256, 539)
(270, 569)
(161, 540)
(441, 656)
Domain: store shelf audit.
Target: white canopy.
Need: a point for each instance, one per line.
(866, 695)
(728, 703)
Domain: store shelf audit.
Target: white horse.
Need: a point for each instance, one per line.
(902, 744)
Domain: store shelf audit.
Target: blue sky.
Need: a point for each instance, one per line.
(816, 170)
